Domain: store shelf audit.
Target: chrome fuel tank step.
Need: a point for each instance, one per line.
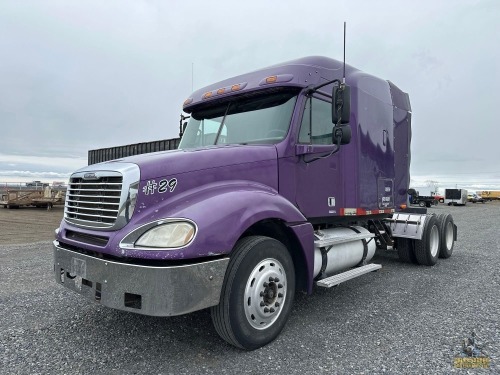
(348, 275)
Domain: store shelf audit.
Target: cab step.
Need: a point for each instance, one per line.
(347, 275)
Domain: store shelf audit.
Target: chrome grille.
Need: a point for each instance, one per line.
(94, 203)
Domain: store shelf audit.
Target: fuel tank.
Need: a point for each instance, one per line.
(344, 255)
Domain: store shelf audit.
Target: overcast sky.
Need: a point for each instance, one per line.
(80, 75)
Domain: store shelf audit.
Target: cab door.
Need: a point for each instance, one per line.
(318, 186)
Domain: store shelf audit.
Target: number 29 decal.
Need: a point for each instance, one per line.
(162, 186)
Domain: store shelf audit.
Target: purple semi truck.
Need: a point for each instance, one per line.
(286, 178)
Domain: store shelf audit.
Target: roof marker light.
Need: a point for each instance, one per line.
(271, 79)
(236, 87)
(207, 95)
(187, 101)
(221, 91)
(277, 78)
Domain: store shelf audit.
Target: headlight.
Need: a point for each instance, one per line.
(168, 235)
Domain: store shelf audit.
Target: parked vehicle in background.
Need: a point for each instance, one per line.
(36, 184)
(455, 197)
(429, 192)
(474, 198)
(438, 197)
(423, 201)
(489, 195)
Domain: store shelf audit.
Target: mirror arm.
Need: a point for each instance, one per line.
(181, 127)
(316, 88)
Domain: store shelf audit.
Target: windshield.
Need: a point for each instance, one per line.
(258, 119)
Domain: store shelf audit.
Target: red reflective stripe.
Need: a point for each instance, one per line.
(363, 212)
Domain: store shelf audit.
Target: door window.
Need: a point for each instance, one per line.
(316, 127)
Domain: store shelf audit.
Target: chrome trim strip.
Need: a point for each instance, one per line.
(90, 202)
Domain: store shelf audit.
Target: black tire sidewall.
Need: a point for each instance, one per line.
(443, 220)
(247, 336)
(422, 247)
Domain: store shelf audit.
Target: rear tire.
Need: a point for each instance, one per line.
(257, 293)
(446, 234)
(405, 250)
(427, 249)
(421, 204)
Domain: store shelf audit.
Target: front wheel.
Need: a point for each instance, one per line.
(257, 294)
(421, 204)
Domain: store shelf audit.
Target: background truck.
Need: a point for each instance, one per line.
(285, 179)
(455, 197)
(489, 195)
(37, 184)
(415, 197)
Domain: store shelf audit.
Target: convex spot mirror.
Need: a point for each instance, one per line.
(341, 104)
(341, 133)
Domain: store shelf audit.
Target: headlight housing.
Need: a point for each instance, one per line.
(163, 234)
(131, 200)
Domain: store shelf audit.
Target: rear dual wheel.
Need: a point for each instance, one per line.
(447, 235)
(257, 293)
(437, 241)
(427, 249)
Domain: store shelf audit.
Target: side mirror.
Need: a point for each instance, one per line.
(341, 104)
(341, 134)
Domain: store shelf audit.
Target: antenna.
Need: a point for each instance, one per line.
(192, 75)
(343, 77)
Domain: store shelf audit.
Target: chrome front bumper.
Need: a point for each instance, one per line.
(156, 291)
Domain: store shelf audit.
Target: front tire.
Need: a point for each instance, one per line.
(257, 293)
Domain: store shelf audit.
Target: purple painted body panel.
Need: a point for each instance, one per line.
(226, 189)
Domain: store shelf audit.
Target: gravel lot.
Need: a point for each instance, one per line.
(403, 319)
(28, 224)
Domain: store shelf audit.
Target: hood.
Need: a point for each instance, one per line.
(174, 162)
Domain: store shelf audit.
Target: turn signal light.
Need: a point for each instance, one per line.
(402, 206)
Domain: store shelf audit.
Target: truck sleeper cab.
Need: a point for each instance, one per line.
(273, 189)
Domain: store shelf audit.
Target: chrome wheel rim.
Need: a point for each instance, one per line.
(434, 241)
(265, 293)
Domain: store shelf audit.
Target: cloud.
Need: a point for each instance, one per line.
(83, 75)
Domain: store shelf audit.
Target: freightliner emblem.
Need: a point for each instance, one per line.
(90, 176)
